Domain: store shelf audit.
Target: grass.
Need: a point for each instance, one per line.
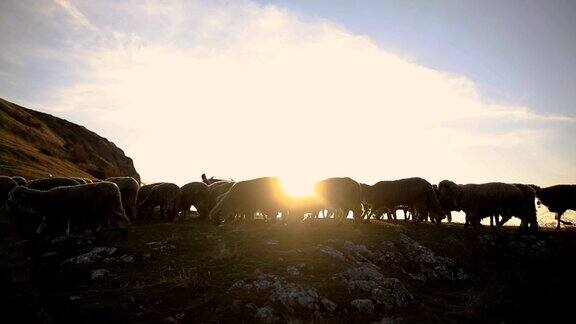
(192, 281)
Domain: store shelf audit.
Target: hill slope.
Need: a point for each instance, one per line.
(37, 145)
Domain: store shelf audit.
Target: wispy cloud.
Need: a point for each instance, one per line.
(78, 17)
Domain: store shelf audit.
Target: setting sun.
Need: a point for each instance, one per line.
(298, 187)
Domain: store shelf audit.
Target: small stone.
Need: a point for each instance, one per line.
(266, 315)
(328, 305)
(48, 255)
(169, 319)
(92, 256)
(180, 316)
(74, 297)
(293, 271)
(363, 306)
(127, 258)
(392, 320)
(99, 274)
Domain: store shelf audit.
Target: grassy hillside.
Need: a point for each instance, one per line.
(37, 145)
(195, 272)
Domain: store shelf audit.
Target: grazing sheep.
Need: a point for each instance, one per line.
(446, 204)
(341, 195)
(129, 191)
(21, 181)
(166, 196)
(79, 180)
(484, 200)
(6, 185)
(51, 183)
(88, 206)
(558, 199)
(194, 193)
(216, 190)
(211, 180)
(263, 195)
(529, 195)
(416, 193)
(144, 191)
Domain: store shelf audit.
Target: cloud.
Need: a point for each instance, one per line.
(242, 90)
(78, 17)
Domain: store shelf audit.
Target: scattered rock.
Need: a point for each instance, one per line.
(266, 315)
(293, 271)
(272, 242)
(419, 262)
(389, 292)
(328, 305)
(93, 256)
(295, 297)
(363, 306)
(359, 252)
(74, 297)
(169, 319)
(162, 246)
(291, 297)
(99, 274)
(332, 252)
(392, 320)
(48, 255)
(127, 258)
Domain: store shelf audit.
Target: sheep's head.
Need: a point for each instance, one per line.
(450, 191)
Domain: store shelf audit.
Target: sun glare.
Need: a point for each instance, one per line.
(297, 187)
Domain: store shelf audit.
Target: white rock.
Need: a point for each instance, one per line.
(332, 252)
(328, 305)
(266, 315)
(99, 274)
(92, 256)
(293, 271)
(363, 306)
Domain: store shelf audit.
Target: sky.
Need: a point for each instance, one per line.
(472, 91)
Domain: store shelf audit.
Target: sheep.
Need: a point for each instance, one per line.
(144, 191)
(21, 181)
(194, 193)
(216, 190)
(79, 180)
(50, 183)
(6, 185)
(212, 179)
(129, 191)
(558, 199)
(263, 195)
(341, 195)
(529, 195)
(416, 193)
(483, 200)
(87, 206)
(165, 195)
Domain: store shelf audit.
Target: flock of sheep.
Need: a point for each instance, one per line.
(61, 205)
